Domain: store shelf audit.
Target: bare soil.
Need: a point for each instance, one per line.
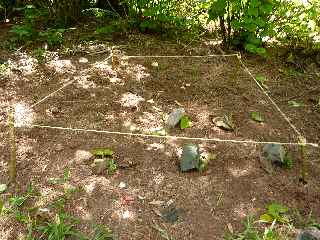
(134, 99)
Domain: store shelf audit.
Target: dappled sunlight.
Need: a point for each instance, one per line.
(25, 147)
(91, 184)
(214, 42)
(83, 60)
(150, 122)
(237, 172)
(155, 147)
(26, 64)
(123, 213)
(23, 115)
(158, 178)
(5, 233)
(84, 213)
(116, 81)
(62, 66)
(48, 195)
(131, 100)
(84, 83)
(132, 127)
(137, 72)
(243, 210)
(104, 67)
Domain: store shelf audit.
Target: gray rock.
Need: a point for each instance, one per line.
(274, 153)
(309, 234)
(82, 156)
(190, 158)
(175, 117)
(100, 165)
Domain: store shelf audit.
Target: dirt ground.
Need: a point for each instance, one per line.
(134, 99)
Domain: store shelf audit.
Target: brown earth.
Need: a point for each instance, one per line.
(134, 99)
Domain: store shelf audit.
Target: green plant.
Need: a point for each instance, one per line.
(102, 233)
(40, 55)
(250, 232)
(66, 177)
(52, 36)
(295, 22)
(185, 122)
(275, 212)
(111, 166)
(23, 32)
(287, 161)
(163, 15)
(102, 152)
(62, 227)
(243, 23)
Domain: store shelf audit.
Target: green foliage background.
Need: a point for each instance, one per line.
(242, 24)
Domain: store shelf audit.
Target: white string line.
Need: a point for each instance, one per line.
(46, 97)
(183, 56)
(169, 136)
(185, 138)
(268, 96)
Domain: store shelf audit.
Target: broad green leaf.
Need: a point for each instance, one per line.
(217, 9)
(261, 78)
(295, 104)
(261, 51)
(102, 152)
(251, 48)
(257, 116)
(17, 201)
(252, 11)
(3, 188)
(277, 209)
(266, 218)
(185, 122)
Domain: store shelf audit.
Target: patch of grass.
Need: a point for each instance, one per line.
(111, 166)
(102, 232)
(60, 228)
(251, 232)
(40, 55)
(66, 177)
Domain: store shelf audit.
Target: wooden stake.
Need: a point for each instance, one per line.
(304, 162)
(115, 59)
(13, 148)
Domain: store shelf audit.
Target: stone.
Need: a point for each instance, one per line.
(309, 234)
(190, 158)
(99, 165)
(82, 156)
(175, 117)
(274, 153)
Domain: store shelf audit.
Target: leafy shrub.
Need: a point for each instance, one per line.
(160, 15)
(39, 54)
(243, 23)
(52, 36)
(23, 32)
(295, 24)
(114, 26)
